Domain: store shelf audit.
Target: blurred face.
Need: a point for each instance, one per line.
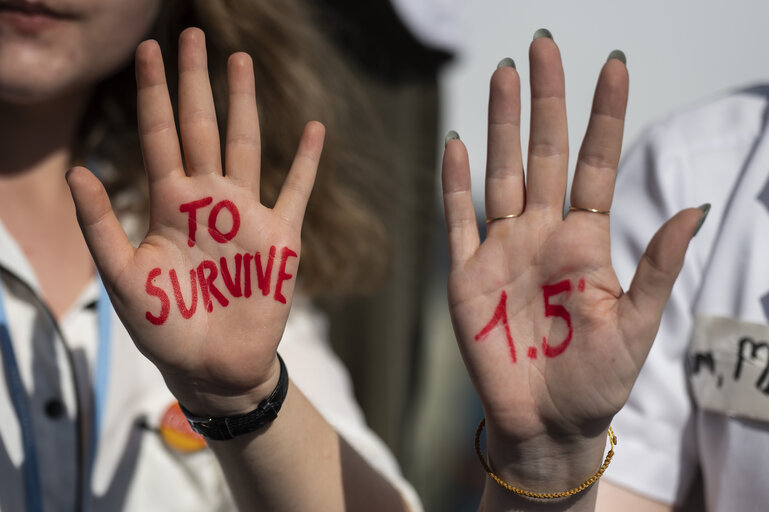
(49, 48)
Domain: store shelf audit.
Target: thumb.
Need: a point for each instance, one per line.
(108, 243)
(660, 264)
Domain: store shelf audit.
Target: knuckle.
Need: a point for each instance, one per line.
(546, 149)
(157, 127)
(197, 116)
(597, 160)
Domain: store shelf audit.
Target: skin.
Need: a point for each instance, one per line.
(547, 417)
(223, 363)
(45, 82)
(94, 38)
(180, 346)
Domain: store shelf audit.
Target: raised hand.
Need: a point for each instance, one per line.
(552, 343)
(207, 293)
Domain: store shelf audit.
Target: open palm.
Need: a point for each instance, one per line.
(207, 293)
(552, 343)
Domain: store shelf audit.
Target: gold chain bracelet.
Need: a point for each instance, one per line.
(544, 495)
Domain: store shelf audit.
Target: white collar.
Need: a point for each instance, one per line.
(12, 259)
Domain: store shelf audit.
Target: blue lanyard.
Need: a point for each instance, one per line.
(100, 382)
(21, 405)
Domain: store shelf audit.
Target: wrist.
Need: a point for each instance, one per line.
(202, 398)
(225, 428)
(546, 464)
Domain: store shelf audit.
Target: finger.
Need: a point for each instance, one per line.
(599, 155)
(243, 150)
(295, 192)
(505, 192)
(458, 202)
(197, 117)
(659, 266)
(157, 129)
(548, 138)
(104, 235)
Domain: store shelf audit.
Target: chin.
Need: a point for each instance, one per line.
(32, 91)
(33, 72)
(68, 58)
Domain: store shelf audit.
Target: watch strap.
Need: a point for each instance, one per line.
(228, 427)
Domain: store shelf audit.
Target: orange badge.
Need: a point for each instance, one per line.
(177, 433)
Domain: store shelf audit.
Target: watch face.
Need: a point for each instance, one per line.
(177, 433)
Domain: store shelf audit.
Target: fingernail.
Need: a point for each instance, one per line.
(543, 32)
(619, 55)
(506, 62)
(705, 210)
(451, 135)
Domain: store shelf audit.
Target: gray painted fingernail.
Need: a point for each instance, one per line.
(705, 210)
(451, 135)
(543, 32)
(619, 55)
(507, 62)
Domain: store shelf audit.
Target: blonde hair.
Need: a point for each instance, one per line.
(299, 77)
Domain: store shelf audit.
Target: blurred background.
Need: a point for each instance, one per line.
(426, 65)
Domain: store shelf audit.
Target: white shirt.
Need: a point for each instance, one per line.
(134, 469)
(702, 399)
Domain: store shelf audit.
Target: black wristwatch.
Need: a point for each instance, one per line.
(228, 427)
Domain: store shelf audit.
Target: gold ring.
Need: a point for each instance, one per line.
(511, 216)
(590, 210)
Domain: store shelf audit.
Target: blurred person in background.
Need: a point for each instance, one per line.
(695, 432)
(91, 423)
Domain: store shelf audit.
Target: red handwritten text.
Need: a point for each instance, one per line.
(217, 235)
(186, 312)
(556, 310)
(231, 277)
(207, 286)
(285, 254)
(551, 310)
(191, 209)
(155, 291)
(192, 222)
(500, 315)
(263, 274)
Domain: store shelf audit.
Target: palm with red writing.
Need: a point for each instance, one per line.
(209, 237)
(576, 342)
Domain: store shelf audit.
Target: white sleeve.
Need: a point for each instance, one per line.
(656, 456)
(323, 379)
